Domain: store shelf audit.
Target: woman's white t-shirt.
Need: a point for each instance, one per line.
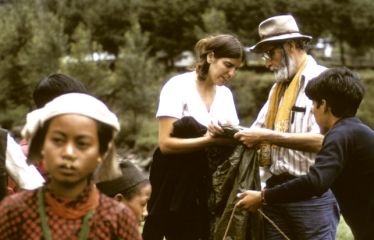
(179, 98)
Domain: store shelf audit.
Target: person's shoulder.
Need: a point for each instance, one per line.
(118, 216)
(112, 206)
(351, 128)
(313, 69)
(183, 78)
(17, 201)
(181, 83)
(114, 211)
(353, 124)
(223, 90)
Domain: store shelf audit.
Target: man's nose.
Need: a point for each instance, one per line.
(267, 62)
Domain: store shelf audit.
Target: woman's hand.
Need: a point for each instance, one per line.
(214, 129)
(218, 136)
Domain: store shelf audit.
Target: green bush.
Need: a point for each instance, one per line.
(250, 90)
(343, 232)
(365, 112)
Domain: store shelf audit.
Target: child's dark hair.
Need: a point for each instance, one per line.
(55, 85)
(340, 87)
(129, 184)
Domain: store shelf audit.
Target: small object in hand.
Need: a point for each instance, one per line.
(229, 129)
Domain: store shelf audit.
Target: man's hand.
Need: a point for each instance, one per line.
(250, 137)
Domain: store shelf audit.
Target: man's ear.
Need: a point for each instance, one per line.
(210, 57)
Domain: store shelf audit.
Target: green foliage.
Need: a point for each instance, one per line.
(147, 138)
(250, 91)
(137, 79)
(107, 21)
(30, 43)
(244, 16)
(129, 83)
(214, 22)
(144, 36)
(365, 112)
(343, 231)
(171, 24)
(81, 65)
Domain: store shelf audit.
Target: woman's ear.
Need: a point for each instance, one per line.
(210, 57)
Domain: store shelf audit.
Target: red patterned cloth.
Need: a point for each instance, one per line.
(19, 219)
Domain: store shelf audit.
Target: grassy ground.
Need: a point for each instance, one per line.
(344, 233)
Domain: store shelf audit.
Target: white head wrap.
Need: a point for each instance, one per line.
(76, 103)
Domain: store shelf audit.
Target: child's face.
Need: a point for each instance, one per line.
(71, 148)
(139, 202)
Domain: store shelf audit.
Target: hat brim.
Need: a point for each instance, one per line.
(264, 44)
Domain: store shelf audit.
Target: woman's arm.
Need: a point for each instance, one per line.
(173, 145)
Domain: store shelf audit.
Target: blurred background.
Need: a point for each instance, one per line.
(124, 50)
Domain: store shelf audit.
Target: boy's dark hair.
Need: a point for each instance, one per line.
(55, 85)
(340, 87)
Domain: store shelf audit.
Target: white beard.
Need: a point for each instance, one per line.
(284, 73)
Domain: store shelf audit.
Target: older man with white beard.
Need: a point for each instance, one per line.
(287, 134)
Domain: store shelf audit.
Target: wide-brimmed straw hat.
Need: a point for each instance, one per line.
(277, 29)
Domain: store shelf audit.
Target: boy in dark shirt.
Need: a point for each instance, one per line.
(345, 162)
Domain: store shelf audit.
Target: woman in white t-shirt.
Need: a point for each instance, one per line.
(200, 94)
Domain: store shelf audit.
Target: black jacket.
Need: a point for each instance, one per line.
(178, 180)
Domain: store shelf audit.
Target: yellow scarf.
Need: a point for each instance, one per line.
(279, 111)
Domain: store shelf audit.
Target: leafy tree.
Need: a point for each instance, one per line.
(244, 16)
(30, 44)
(39, 37)
(350, 23)
(107, 21)
(214, 22)
(82, 64)
(137, 81)
(171, 24)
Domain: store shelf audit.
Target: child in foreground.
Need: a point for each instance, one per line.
(74, 136)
